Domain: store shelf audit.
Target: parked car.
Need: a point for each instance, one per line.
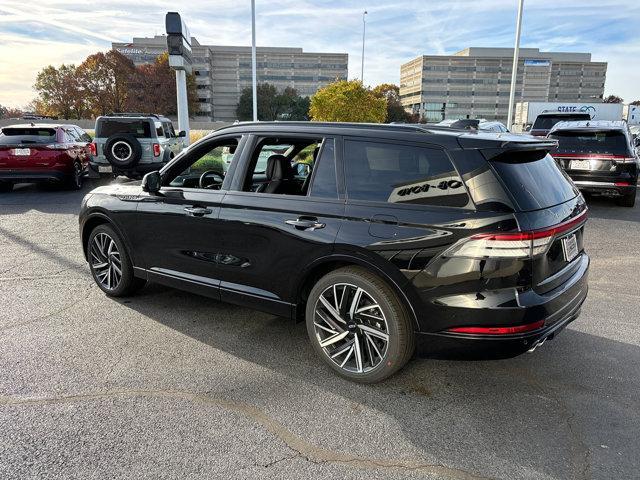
(43, 153)
(474, 124)
(546, 120)
(133, 144)
(398, 236)
(600, 158)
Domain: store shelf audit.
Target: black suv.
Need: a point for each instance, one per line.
(600, 157)
(394, 235)
(547, 119)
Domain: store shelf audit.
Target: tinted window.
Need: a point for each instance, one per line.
(612, 142)
(72, 135)
(545, 122)
(137, 128)
(18, 135)
(535, 183)
(324, 172)
(395, 173)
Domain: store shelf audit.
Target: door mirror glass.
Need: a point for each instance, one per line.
(182, 133)
(151, 182)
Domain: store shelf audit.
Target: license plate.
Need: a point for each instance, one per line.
(580, 165)
(105, 169)
(23, 152)
(570, 247)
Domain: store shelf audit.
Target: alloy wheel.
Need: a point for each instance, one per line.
(106, 261)
(351, 327)
(122, 151)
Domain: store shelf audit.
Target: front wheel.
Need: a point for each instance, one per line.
(75, 180)
(110, 264)
(358, 325)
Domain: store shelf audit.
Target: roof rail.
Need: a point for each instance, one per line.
(131, 114)
(386, 126)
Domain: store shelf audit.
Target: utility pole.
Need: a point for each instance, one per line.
(364, 28)
(514, 70)
(179, 47)
(254, 81)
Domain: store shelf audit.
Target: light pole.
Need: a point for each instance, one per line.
(364, 28)
(514, 70)
(254, 82)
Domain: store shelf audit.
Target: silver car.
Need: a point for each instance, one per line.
(133, 144)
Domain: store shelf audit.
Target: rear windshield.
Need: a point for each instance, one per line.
(535, 182)
(612, 142)
(546, 122)
(137, 128)
(11, 136)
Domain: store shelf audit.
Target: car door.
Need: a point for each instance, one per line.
(267, 239)
(177, 228)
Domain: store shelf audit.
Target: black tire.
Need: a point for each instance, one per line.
(6, 187)
(401, 337)
(628, 200)
(123, 150)
(128, 283)
(76, 179)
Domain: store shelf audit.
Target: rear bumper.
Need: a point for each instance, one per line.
(608, 188)
(33, 176)
(557, 308)
(137, 171)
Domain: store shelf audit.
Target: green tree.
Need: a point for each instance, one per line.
(273, 105)
(347, 101)
(635, 102)
(613, 99)
(60, 92)
(395, 110)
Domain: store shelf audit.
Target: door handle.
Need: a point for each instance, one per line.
(304, 223)
(197, 211)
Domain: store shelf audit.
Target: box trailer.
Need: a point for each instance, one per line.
(527, 112)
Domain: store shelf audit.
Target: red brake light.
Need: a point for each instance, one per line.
(498, 330)
(93, 149)
(156, 149)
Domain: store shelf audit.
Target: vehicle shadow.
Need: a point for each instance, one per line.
(540, 413)
(606, 208)
(46, 199)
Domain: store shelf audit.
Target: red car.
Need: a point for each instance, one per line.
(43, 153)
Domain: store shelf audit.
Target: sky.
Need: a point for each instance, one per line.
(66, 31)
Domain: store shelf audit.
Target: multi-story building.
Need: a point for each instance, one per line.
(222, 72)
(475, 82)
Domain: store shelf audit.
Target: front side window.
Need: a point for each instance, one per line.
(205, 167)
(403, 174)
(324, 177)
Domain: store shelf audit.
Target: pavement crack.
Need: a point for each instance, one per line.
(294, 442)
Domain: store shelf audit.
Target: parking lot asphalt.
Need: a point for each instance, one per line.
(167, 384)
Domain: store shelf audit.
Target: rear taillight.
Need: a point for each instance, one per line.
(93, 149)
(512, 245)
(498, 330)
(156, 149)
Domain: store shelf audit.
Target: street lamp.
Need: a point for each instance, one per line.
(254, 83)
(514, 70)
(364, 27)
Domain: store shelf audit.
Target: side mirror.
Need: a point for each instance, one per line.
(182, 133)
(151, 182)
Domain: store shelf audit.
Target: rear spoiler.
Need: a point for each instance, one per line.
(506, 149)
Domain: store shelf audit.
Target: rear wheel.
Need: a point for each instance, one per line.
(628, 200)
(75, 180)
(6, 187)
(358, 325)
(110, 264)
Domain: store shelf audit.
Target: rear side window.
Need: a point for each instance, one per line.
(612, 142)
(17, 135)
(398, 173)
(534, 182)
(324, 175)
(137, 128)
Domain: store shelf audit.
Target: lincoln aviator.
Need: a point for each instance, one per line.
(392, 238)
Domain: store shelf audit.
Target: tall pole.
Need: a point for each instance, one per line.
(254, 81)
(183, 104)
(514, 69)
(364, 28)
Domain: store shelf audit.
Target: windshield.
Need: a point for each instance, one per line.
(535, 183)
(546, 122)
(611, 142)
(137, 128)
(20, 135)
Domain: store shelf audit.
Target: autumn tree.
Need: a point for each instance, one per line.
(60, 92)
(347, 101)
(10, 112)
(153, 89)
(395, 110)
(613, 99)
